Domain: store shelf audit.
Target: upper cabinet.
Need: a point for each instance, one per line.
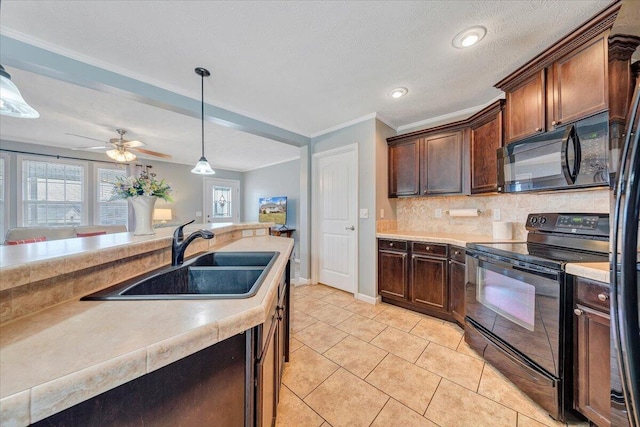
(565, 83)
(441, 163)
(404, 169)
(486, 139)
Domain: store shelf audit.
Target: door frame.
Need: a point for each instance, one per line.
(204, 196)
(315, 203)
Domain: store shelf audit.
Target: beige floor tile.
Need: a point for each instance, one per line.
(402, 344)
(395, 414)
(456, 406)
(496, 387)
(293, 412)
(405, 382)
(306, 371)
(365, 309)
(294, 344)
(316, 291)
(330, 314)
(436, 331)
(308, 304)
(326, 424)
(339, 298)
(356, 356)
(300, 320)
(399, 319)
(464, 348)
(361, 327)
(346, 400)
(457, 367)
(320, 336)
(524, 421)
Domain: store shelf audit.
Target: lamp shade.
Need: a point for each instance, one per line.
(162, 214)
(12, 103)
(203, 167)
(121, 155)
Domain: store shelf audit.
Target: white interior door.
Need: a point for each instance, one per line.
(221, 200)
(336, 185)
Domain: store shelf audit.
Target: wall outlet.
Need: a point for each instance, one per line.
(496, 214)
(438, 213)
(381, 213)
(364, 213)
(247, 233)
(198, 214)
(261, 232)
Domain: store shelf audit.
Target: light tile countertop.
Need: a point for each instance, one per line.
(66, 354)
(593, 270)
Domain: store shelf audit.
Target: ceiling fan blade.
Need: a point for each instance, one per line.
(102, 147)
(151, 153)
(85, 137)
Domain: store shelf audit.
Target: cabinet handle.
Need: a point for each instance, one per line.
(427, 248)
(390, 244)
(456, 252)
(554, 123)
(538, 129)
(578, 312)
(603, 297)
(450, 263)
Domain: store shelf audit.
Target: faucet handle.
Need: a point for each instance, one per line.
(178, 234)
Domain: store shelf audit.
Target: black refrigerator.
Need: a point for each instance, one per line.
(625, 310)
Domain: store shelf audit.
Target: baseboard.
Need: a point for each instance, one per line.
(301, 281)
(368, 299)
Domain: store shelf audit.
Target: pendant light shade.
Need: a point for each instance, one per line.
(12, 103)
(202, 167)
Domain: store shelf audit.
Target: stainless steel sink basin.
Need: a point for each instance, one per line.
(214, 275)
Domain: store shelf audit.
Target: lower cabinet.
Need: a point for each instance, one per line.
(457, 281)
(429, 288)
(592, 369)
(393, 270)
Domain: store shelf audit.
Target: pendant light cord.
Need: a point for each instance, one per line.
(202, 109)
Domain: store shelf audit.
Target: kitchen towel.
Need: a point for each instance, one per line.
(502, 230)
(463, 212)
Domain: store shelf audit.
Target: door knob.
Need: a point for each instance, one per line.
(350, 228)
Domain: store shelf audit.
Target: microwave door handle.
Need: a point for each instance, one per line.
(569, 175)
(577, 158)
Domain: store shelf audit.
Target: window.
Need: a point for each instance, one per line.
(109, 212)
(53, 193)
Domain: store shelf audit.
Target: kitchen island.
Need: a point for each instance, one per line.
(56, 358)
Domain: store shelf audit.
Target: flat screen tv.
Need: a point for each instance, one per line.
(273, 209)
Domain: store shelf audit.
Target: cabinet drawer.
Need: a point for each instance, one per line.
(429, 249)
(592, 294)
(457, 254)
(392, 245)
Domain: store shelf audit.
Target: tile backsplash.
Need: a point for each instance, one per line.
(419, 213)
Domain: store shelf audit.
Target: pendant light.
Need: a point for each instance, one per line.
(202, 167)
(12, 103)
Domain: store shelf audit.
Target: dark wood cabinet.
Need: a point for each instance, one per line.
(429, 282)
(580, 82)
(486, 139)
(592, 351)
(404, 169)
(441, 163)
(392, 269)
(457, 283)
(525, 111)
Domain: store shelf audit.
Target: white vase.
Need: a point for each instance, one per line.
(143, 210)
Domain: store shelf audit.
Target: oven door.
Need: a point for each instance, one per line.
(520, 305)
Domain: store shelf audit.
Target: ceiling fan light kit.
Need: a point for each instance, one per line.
(202, 167)
(12, 103)
(121, 155)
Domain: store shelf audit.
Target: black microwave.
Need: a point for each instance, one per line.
(573, 156)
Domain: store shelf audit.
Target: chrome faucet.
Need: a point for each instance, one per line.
(180, 244)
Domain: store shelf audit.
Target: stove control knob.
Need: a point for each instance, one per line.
(542, 220)
(534, 220)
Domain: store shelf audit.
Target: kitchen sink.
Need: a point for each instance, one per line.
(214, 275)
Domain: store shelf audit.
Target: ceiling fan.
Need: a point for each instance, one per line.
(120, 149)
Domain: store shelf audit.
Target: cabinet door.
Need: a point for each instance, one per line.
(525, 110)
(404, 169)
(486, 139)
(392, 275)
(266, 381)
(580, 82)
(456, 287)
(429, 282)
(593, 373)
(441, 163)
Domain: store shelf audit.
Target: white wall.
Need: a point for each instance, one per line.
(278, 180)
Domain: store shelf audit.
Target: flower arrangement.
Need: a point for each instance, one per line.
(146, 184)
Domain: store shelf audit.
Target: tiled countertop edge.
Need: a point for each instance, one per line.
(599, 271)
(41, 401)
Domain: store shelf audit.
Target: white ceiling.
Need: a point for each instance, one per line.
(304, 66)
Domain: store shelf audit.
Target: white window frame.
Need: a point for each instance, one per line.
(7, 197)
(96, 187)
(20, 190)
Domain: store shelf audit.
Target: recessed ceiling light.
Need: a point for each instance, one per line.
(469, 37)
(398, 92)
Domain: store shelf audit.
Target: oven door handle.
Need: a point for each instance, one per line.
(541, 272)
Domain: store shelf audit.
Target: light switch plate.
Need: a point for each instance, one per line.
(438, 213)
(496, 214)
(247, 233)
(364, 213)
(198, 214)
(381, 213)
